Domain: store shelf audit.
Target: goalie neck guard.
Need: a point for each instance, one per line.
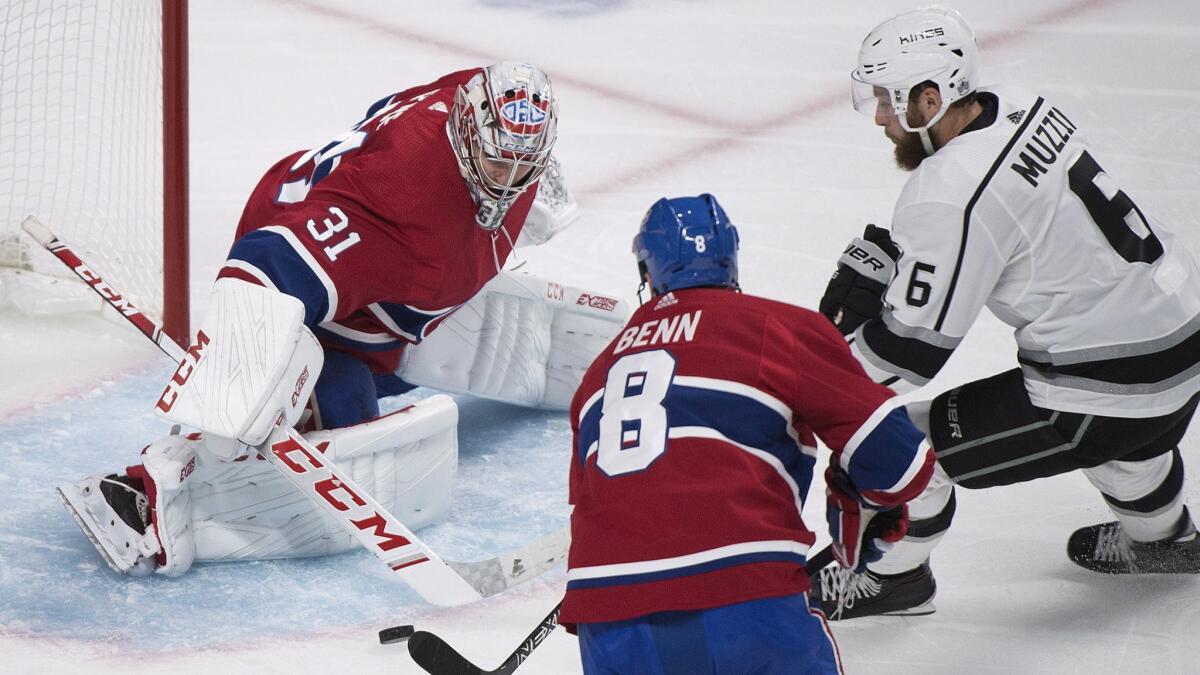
(686, 242)
(503, 125)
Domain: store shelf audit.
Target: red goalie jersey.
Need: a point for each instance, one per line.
(375, 232)
(694, 446)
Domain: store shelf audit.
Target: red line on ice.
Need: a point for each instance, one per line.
(731, 134)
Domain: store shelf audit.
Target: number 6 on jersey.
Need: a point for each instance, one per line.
(633, 421)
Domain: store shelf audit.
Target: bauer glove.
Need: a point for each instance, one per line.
(861, 532)
(854, 295)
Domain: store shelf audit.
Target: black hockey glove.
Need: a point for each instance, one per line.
(854, 295)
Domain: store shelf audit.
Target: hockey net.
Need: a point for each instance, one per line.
(82, 148)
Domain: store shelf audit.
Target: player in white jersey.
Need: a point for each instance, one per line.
(1008, 207)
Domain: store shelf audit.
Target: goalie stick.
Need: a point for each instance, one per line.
(437, 581)
(437, 657)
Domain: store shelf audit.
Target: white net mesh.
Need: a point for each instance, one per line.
(81, 139)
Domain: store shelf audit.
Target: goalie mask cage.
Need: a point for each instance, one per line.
(93, 142)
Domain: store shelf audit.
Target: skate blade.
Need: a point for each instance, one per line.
(920, 610)
(68, 498)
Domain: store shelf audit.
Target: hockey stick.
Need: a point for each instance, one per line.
(437, 657)
(437, 581)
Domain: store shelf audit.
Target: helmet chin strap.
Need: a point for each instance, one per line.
(926, 141)
(923, 131)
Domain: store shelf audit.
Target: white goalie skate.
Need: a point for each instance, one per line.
(114, 514)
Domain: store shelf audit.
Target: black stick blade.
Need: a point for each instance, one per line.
(819, 561)
(438, 658)
(395, 634)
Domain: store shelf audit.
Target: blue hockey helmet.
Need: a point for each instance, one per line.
(687, 242)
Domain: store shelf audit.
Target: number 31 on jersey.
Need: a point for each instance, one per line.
(328, 228)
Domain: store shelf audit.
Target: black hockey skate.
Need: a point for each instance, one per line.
(128, 499)
(1106, 548)
(842, 594)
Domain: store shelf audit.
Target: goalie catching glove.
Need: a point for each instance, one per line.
(861, 532)
(855, 293)
(522, 339)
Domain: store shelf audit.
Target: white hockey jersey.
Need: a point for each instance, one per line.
(1016, 213)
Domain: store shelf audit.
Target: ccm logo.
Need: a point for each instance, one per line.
(338, 494)
(864, 257)
(186, 366)
(299, 386)
(597, 301)
(121, 304)
(187, 469)
(554, 291)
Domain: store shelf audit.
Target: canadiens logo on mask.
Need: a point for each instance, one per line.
(521, 115)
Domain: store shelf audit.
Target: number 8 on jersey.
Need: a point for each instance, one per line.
(633, 421)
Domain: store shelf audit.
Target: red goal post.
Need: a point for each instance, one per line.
(94, 142)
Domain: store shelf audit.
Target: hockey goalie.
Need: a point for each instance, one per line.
(361, 269)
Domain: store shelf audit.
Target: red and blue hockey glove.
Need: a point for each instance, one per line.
(854, 294)
(861, 533)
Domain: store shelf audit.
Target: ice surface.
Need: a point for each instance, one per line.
(747, 100)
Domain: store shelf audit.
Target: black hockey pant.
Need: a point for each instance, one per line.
(988, 433)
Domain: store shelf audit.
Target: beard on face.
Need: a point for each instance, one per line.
(909, 152)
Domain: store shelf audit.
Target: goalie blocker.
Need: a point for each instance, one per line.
(252, 366)
(184, 504)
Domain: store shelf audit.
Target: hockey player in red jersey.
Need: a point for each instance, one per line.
(694, 446)
(346, 259)
(1009, 208)
(364, 230)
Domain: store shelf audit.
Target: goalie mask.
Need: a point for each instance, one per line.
(687, 242)
(931, 44)
(502, 126)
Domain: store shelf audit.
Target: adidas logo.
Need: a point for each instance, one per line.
(439, 107)
(666, 301)
(1016, 117)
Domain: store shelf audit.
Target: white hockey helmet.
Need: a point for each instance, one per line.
(931, 44)
(503, 125)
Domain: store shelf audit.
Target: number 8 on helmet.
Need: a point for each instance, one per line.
(686, 242)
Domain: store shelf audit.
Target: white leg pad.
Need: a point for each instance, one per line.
(407, 460)
(169, 464)
(522, 339)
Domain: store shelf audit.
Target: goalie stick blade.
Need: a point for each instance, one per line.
(504, 571)
(438, 658)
